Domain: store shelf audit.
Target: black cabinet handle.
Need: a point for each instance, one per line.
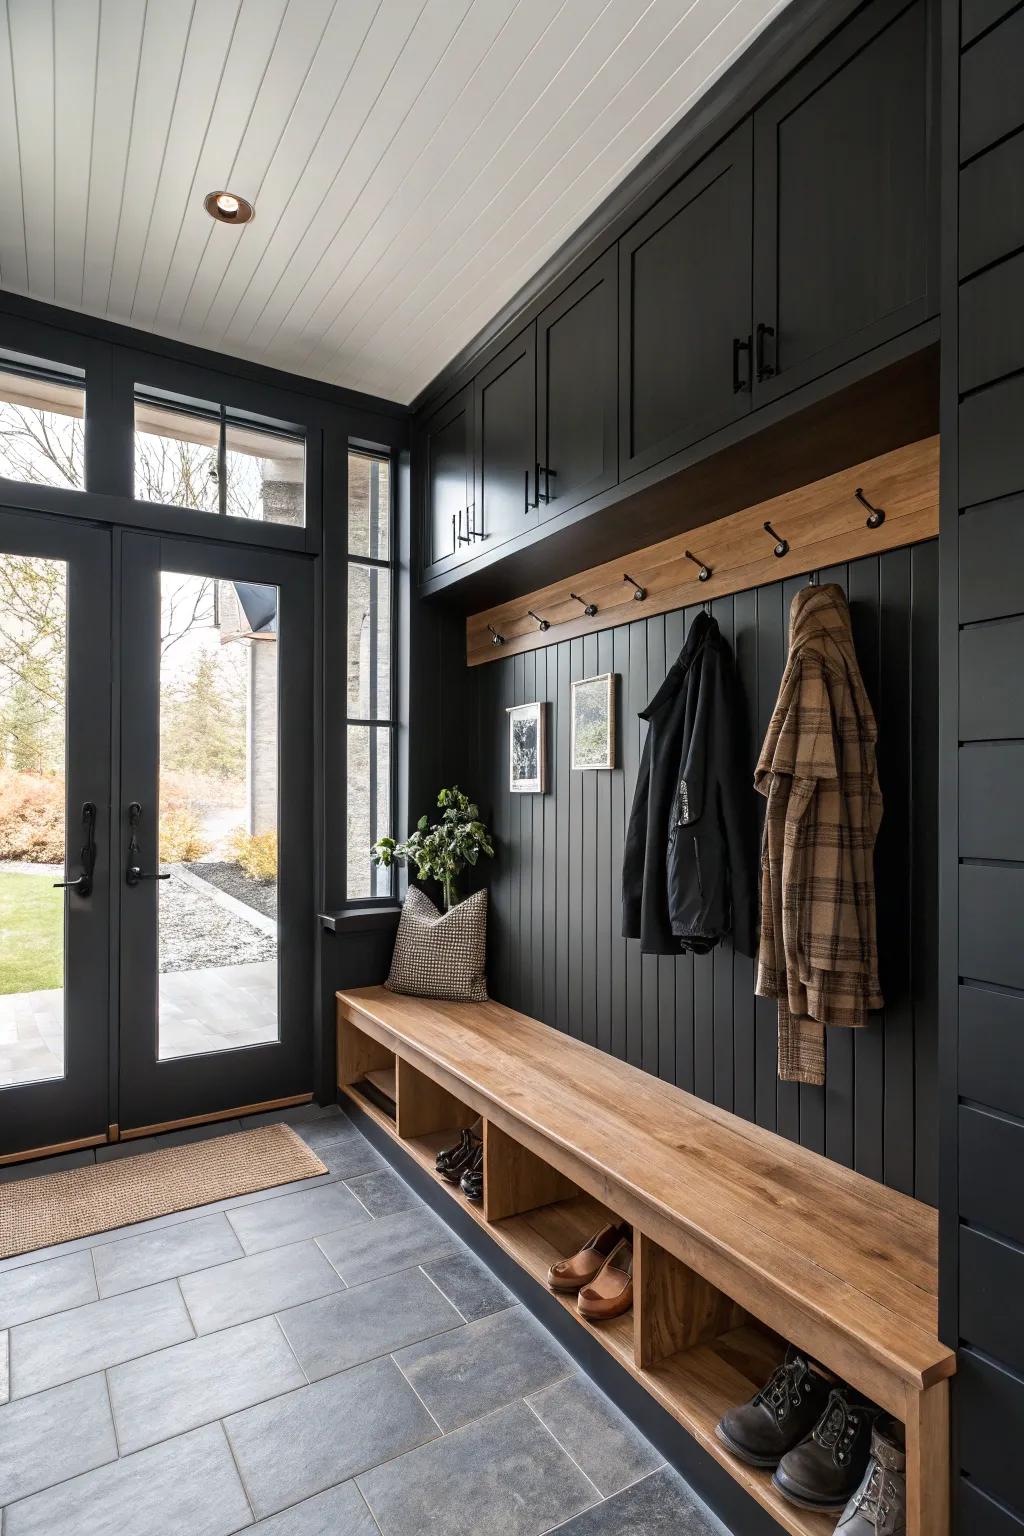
(739, 385)
(454, 544)
(764, 370)
(528, 505)
(82, 886)
(464, 538)
(542, 469)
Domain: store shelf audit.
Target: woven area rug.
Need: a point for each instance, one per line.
(55, 1207)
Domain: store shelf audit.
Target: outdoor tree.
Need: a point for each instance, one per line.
(203, 718)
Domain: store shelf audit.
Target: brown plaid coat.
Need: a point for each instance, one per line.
(818, 954)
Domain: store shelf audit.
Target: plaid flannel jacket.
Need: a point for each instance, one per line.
(818, 953)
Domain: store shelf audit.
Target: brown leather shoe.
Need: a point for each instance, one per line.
(569, 1275)
(610, 1293)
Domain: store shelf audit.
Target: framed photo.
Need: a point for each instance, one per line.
(527, 749)
(593, 722)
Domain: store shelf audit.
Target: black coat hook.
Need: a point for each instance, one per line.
(542, 624)
(705, 570)
(876, 516)
(640, 592)
(781, 544)
(496, 639)
(588, 608)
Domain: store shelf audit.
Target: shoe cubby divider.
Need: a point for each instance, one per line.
(425, 1108)
(515, 1179)
(674, 1308)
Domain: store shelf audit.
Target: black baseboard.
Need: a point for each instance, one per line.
(726, 1498)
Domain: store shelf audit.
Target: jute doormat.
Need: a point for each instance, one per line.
(55, 1207)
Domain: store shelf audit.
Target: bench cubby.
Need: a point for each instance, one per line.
(741, 1241)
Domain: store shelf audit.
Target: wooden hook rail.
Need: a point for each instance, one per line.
(808, 529)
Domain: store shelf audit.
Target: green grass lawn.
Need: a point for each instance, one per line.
(31, 933)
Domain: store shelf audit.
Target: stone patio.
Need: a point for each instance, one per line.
(214, 1008)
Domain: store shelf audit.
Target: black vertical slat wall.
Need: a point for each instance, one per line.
(556, 947)
(981, 969)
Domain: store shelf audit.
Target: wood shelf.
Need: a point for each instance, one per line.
(695, 1386)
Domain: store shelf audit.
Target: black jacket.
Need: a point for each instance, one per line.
(689, 872)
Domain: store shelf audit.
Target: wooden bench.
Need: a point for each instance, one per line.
(742, 1241)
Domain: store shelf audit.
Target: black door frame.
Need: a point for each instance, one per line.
(72, 1110)
(153, 1092)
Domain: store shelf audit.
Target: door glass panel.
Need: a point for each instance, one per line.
(33, 643)
(42, 441)
(218, 815)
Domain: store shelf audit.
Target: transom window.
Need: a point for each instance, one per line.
(370, 679)
(208, 460)
(42, 437)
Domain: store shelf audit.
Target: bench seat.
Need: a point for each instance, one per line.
(761, 1239)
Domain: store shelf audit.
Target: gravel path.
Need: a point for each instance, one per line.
(261, 894)
(195, 931)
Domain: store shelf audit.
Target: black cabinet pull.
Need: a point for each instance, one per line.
(526, 493)
(454, 544)
(82, 885)
(764, 370)
(464, 538)
(739, 385)
(528, 505)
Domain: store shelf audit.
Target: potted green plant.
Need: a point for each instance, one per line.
(441, 851)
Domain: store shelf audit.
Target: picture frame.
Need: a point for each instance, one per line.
(593, 722)
(527, 749)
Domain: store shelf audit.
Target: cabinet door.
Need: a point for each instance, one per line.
(684, 310)
(447, 449)
(843, 200)
(506, 442)
(577, 390)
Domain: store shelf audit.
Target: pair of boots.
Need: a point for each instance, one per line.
(600, 1274)
(830, 1449)
(463, 1164)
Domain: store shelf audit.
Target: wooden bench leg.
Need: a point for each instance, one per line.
(674, 1308)
(424, 1106)
(927, 1429)
(515, 1180)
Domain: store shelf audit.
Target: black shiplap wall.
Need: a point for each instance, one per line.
(982, 651)
(556, 948)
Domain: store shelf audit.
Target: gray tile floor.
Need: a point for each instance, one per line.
(326, 1359)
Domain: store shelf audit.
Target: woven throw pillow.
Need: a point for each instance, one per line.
(441, 954)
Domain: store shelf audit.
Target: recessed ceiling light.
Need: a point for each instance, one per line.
(228, 207)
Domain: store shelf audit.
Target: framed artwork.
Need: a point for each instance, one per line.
(527, 749)
(593, 722)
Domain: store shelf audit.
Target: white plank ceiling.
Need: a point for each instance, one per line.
(412, 162)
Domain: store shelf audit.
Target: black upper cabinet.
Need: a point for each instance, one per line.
(505, 442)
(843, 200)
(447, 459)
(684, 310)
(577, 409)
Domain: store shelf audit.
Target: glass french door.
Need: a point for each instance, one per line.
(215, 829)
(156, 830)
(55, 877)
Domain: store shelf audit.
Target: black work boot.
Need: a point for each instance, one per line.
(779, 1416)
(824, 1471)
(879, 1507)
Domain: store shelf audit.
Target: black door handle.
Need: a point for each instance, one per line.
(134, 873)
(83, 883)
(739, 344)
(764, 370)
